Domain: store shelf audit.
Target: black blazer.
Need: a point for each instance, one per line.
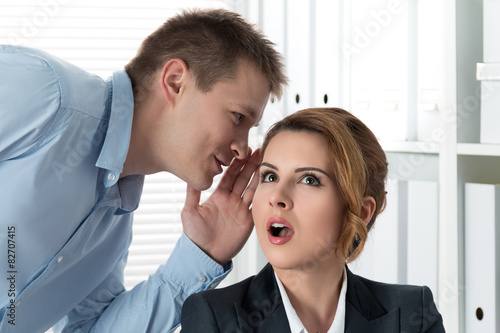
(255, 305)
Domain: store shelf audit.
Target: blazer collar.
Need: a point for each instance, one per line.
(364, 313)
(262, 310)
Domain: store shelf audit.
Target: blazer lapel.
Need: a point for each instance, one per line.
(262, 309)
(356, 322)
(364, 313)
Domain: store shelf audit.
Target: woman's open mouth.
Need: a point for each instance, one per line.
(279, 231)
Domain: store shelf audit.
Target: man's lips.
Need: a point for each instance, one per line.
(279, 231)
(220, 164)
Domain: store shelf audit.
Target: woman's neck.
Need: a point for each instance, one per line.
(314, 294)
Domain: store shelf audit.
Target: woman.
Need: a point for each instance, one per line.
(321, 188)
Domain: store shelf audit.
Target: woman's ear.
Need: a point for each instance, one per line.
(174, 76)
(368, 209)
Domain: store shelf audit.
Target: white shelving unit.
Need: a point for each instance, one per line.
(474, 149)
(438, 75)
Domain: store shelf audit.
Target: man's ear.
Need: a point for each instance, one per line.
(368, 209)
(174, 76)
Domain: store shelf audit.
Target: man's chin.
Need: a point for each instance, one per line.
(202, 185)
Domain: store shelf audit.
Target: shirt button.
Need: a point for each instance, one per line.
(111, 176)
(202, 278)
(60, 259)
(17, 303)
(212, 285)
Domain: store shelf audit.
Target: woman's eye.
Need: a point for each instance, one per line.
(269, 178)
(310, 180)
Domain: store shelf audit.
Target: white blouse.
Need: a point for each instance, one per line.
(296, 325)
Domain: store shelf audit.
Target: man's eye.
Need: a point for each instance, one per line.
(239, 117)
(269, 177)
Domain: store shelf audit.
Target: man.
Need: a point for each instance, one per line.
(74, 150)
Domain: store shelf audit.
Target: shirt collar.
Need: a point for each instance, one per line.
(117, 140)
(294, 321)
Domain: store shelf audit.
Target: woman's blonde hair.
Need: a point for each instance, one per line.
(359, 162)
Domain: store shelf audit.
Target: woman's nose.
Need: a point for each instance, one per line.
(280, 199)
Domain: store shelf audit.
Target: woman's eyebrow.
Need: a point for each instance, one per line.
(269, 166)
(312, 169)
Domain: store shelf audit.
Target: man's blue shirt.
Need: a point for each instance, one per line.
(64, 136)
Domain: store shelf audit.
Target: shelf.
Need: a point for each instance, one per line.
(476, 149)
(419, 147)
(427, 147)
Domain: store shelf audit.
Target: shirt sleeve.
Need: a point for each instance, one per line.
(153, 305)
(29, 101)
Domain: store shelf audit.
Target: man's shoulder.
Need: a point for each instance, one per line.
(32, 57)
(77, 88)
(27, 65)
